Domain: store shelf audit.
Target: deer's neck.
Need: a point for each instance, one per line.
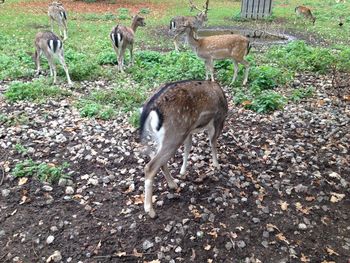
(134, 26)
(192, 40)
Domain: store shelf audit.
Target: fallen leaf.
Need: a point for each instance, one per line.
(22, 181)
(210, 260)
(335, 175)
(331, 251)
(213, 233)
(233, 235)
(325, 261)
(300, 208)
(193, 256)
(130, 189)
(223, 225)
(196, 213)
(138, 199)
(153, 261)
(97, 248)
(304, 258)
(310, 198)
(284, 205)
(137, 254)
(325, 220)
(273, 226)
(246, 103)
(207, 247)
(335, 198)
(281, 237)
(24, 199)
(240, 228)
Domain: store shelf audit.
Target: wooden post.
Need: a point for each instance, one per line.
(256, 9)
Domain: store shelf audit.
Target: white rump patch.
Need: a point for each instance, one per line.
(119, 38)
(51, 45)
(152, 125)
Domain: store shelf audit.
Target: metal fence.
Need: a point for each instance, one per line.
(256, 8)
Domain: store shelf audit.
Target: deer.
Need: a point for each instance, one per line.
(52, 46)
(170, 116)
(123, 37)
(2, 1)
(305, 12)
(57, 13)
(195, 21)
(233, 46)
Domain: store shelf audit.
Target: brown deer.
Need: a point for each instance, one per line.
(123, 38)
(51, 45)
(234, 47)
(171, 116)
(195, 21)
(305, 12)
(57, 13)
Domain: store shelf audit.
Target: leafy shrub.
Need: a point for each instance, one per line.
(301, 93)
(81, 67)
(103, 17)
(145, 11)
(123, 14)
(32, 91)
(43, 171)
(298, 56)
(267, 101)
(95, 110)
(152, 67)
(107, 58)
(267, 77)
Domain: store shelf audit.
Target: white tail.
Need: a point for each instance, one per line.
(57, 13)
(171, 116)
(196, 22)
(122, 37)
(234, 47)
(51, 45)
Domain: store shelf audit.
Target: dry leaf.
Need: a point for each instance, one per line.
(213, 233)
(240, 228)
(273, 226)
(196, 213)
(97, 248)
(120, 254)
(325, 220)
(304, 258)
(138, 199)
(310, 198)
(24, 199)
(335, 198)
(331, 251)
(22, 181)
(281, 237)
(137, 254)
(284, 205)
(325, 261)
(335, 175)
(233, 235)
(153, 261)
(210, 260)
(193, 256)
(223, 225)
(207, 247)
(130, 189)
(300, 208)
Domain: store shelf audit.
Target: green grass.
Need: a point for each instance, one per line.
(44, 172)
(33, 91)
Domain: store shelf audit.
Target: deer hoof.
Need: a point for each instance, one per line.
(152, 214)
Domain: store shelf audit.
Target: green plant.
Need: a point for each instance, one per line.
(145, 11)
(43, 171)
(123, 14)
(32, 91)
(95, 110)
(81, 66)
(20, 148)
(267, 77)
(301, 93)
(267, 101)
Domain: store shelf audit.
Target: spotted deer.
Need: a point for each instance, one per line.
(123, 38)
(195, 21)
(171, 116)
(305, 12)
(58, 14)
(234, 47)
(52, 46)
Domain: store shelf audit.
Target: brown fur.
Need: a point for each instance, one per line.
(183, 108)
(234, 47)
(58, 14)
(128, 37)
(306, 13)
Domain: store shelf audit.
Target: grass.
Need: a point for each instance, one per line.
(89, 54)
(33, 91)
(45, 172)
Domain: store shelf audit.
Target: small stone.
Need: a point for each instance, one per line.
(178, 249)
(256, 220)
(265, 244)
(265, 209)
(106, 180)
(266, 234)
(302, 226)
(69, 190)
(5, 192)
(241, 244)
(168, 228)
(93, 181)
(147, 245)
(50, 239)
(62, 182)
(2, 233)
(47, 188)
(200, 234)
(88, 208)
(158, 239)
(53, 228)
(228, 245)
